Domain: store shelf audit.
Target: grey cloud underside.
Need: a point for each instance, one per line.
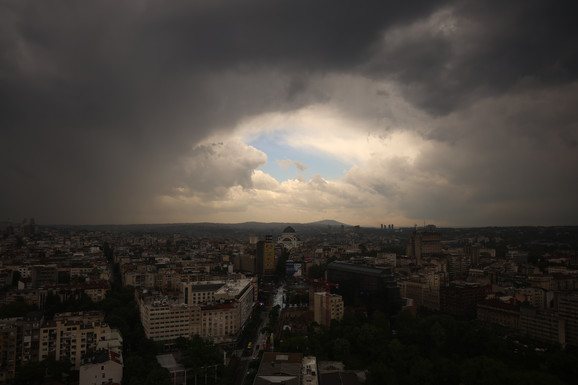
(484, 48)
(99, 100)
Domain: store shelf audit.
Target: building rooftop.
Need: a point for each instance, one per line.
(278, 368)
(358, 268)
(169, 362)
(232, 289)
(101, 356)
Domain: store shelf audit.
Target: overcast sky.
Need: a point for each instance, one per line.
(460, 113)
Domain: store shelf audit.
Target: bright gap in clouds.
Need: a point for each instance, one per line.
(318, 140)
(287, 162)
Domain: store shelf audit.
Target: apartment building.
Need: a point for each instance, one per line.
(500, 313)
(542, 325)
(167, 279)
(139, 277)
(8, 349)
(413, 290)
(461, 298)
(67, 336)
(215, 310)
(425, 243)
(325, 305)
(71, 335)
(42, 275)
(568, 310)
(101, 367)
(220, 321)
(163, 319)
(199, 292)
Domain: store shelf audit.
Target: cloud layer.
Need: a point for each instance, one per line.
(459, 113)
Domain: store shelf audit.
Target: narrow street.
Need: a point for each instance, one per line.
(260, 338)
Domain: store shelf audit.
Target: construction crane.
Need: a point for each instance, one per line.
(327, 285)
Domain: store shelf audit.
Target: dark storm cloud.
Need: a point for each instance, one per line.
(316, 35)
(104, 104)
(98, 99)
(482, 48)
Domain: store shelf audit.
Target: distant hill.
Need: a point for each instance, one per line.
(216, 229)
(326, 222)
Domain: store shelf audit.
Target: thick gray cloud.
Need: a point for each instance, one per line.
(105, 105)
(472, 49)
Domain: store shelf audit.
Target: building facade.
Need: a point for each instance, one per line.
(265, 258)
(370, 287)
(327, 307)
(69, 336)
(215, 310)
(100, 368)
(461, 298)
(425, 243)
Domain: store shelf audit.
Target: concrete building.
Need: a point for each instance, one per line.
(542, 325)
(43, 275)
(413, 290)
(245, 263)
(140, 277)
(280, 368)
(9, 350)
(199, 292)
(67, 336)
(458, 265)
(500, 313)
(220, 321)
(371, 287)
(327, 306)
(431, 298)
(101, 367)
(425, 243)
(177, 372)
(241, 292)
(568, 310)
(164, 319)
(265, 260)
(71, 335)
(461, 298)
(216, 310)
(309, 372)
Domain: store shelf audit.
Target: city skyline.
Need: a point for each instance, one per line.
(457, 113)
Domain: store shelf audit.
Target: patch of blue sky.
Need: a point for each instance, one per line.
(277, 149)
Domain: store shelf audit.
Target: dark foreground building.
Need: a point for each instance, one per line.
(365, 286)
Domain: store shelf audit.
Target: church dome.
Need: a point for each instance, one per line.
(289, 229)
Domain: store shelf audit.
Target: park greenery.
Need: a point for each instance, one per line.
(433, 349)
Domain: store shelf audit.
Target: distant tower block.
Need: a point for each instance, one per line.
(426, 243)
(266, 257)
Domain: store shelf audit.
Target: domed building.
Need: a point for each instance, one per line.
(289, 238)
